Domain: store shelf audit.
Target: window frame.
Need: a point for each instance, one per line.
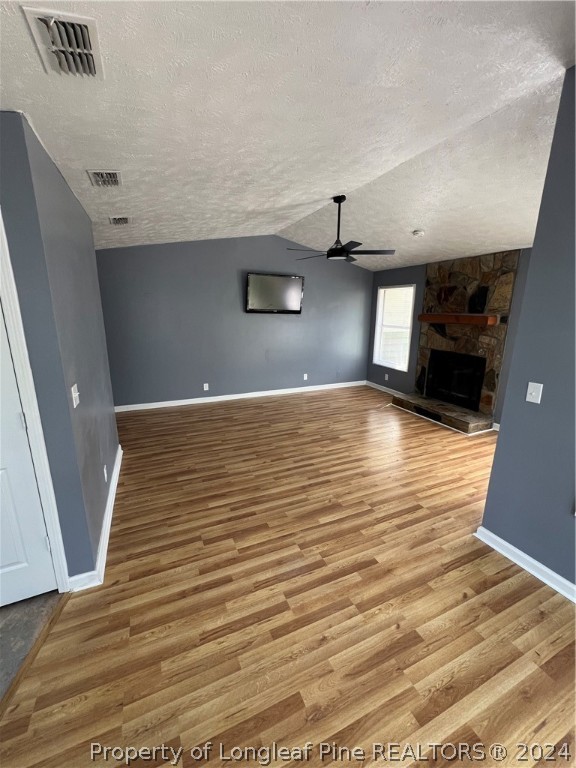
(378, 327)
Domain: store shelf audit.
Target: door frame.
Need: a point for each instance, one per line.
(25, 381)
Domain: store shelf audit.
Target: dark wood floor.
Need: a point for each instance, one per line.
(293, 569)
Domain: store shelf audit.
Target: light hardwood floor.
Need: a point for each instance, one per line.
(292, 569)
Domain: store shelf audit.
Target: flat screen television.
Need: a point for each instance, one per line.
(281, 294)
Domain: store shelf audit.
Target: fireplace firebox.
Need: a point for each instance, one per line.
(455, 378)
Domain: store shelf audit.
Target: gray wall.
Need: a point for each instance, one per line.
(50, 241)
(175, 319)
(531, 493)
(399, 380)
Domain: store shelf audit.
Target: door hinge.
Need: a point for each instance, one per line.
(23, 421)
(47, 540)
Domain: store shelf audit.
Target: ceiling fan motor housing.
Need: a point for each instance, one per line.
(338, 253)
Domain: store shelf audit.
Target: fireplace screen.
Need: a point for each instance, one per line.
(455, 378)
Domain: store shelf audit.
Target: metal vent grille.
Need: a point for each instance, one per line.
(119, 220)
(71, 45)
(67, 44)
(105, 178)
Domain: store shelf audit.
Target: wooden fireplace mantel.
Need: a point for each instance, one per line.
(460, 318)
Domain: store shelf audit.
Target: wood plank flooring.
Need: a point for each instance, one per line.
(299, 569)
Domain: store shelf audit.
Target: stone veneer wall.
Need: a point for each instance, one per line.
(480, 285)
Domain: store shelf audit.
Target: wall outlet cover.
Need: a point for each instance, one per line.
(75, 395)
(206, 387)
(534, 393)
(305, 377)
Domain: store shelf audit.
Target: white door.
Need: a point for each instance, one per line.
(26, 567)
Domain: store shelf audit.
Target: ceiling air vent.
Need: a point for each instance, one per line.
(67, 44)
(105, 178)
(119, 221)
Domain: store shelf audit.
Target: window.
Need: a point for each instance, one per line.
(394, 326)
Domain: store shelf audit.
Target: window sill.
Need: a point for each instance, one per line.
(389, 367)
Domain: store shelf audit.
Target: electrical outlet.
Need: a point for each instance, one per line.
(534, 393)
(385, 377)
(105, 473)
(305, 377)
(206, 387)
(75, 395)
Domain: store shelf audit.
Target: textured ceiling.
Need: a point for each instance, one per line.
(477, 192)
(231, 119)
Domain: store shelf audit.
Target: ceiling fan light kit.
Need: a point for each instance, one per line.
(337, 251)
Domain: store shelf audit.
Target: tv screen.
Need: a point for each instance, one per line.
(274, 293)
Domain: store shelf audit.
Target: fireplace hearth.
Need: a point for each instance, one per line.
(456, 378)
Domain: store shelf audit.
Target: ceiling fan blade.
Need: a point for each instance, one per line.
(350, 259)
(376, 253)
(304, 250)
(350, 245)
(303, 258)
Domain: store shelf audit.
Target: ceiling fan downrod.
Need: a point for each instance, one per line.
(338, 199)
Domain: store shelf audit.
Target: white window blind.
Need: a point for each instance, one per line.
(394, 326)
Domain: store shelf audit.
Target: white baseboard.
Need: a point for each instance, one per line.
(542, 572)
(84, 581)
(241, 396)
(384, 389)
(96, 577)
(107, 522)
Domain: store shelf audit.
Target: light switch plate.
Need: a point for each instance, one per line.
(534, 393)
(75, 395)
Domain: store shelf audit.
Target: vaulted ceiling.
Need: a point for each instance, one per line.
(233, 119)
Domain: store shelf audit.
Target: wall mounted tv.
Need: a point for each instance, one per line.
(280, 294)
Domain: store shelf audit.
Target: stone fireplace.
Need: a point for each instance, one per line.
(478, 286)
(463, 331)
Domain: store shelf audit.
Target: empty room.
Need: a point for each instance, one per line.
(288, 383)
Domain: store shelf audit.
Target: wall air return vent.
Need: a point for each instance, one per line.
(105, 178)
(119, 221)
(67, 44)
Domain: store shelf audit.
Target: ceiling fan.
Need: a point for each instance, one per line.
(338, 251)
